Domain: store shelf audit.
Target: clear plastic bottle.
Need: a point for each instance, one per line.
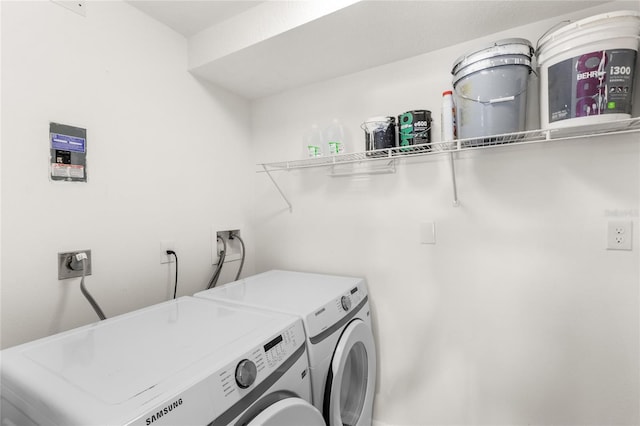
(334, 138)
(313, 142)
(448, 123)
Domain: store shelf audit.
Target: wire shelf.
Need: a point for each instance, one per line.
(371, 162)
(435, 148)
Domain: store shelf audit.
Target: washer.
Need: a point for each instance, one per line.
(337, 319)
(184, 362)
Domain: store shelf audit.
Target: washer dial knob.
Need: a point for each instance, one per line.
(246, 373)
(346, 303)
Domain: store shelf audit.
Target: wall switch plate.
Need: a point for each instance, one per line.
(65, 264)
(619, 235)
(427, 233)
(164, 246)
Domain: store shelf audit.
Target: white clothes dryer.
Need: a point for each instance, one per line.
(184, 362)
(337, 319)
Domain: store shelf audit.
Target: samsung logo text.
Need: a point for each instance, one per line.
(164, 411)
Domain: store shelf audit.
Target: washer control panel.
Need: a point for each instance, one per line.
(220, 389)
(249, 370)
(246, 373)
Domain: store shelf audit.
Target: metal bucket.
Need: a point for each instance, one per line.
(490, 89)
(379, 133)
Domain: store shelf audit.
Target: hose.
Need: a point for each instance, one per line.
(216, 274)
(86, 293)
(243, 253)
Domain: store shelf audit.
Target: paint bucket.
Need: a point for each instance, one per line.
(490, 89)
(414, 128)
(587, 70)
(379, 133)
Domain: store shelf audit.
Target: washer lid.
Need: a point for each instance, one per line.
(111, 369)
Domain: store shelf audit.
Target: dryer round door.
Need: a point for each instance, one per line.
(348, 397)
(289, 412)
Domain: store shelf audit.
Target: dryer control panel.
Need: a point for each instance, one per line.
(343, 305)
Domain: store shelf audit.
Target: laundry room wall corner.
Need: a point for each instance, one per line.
(158, 148)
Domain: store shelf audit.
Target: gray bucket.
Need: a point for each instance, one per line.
(490, 90)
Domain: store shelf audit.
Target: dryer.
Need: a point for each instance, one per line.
(184, 362)
(337, 319)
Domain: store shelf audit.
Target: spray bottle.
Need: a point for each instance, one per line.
(448, 123)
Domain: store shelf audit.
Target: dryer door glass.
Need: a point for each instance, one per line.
(348, 398)
(354, 385)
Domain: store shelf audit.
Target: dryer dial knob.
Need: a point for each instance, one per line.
(246, 373)
(346, 303)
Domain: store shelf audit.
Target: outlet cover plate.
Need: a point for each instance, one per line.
(234, 249)
(619, 235)
(64, 272)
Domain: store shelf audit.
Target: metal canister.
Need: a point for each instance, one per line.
(414, 128)
(380, 133)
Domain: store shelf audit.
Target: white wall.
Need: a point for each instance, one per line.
(167, 159)
(518, 314)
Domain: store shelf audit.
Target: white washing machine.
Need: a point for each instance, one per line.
(184, 362)
(337, 318)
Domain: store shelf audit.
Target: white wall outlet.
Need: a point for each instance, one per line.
(233, 245)
(619, 235)
(164, 246)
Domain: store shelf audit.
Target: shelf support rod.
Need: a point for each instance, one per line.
(456, 202)
(278, 188)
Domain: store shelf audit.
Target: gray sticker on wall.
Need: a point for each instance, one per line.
(68, 148)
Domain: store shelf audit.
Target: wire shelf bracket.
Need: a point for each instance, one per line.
(284, 197)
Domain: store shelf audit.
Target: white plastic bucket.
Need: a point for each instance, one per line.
(587, 70)
(490, 89)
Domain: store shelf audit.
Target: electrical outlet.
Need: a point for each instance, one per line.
(164, 246)
(619, 235)
(233, 245)
(66, 264)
